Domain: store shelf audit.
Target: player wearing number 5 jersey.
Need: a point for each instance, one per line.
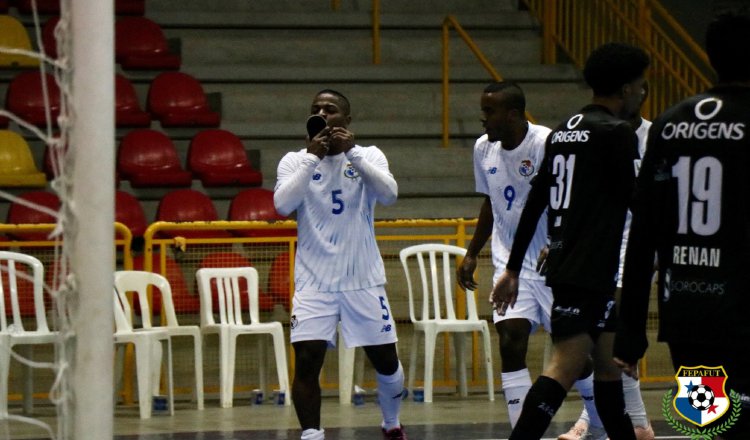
(585, 184)
(693, 209)
(333, 185)
(506, 158)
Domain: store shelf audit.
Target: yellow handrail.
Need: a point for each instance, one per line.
(679, 68)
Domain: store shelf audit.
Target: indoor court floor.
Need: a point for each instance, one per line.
(448, 417)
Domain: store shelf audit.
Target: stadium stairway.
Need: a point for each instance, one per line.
(267, 59)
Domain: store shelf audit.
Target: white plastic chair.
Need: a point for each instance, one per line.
(434, 312)
(11, 324)
(147, 354)
(139, 282)
(230, 325)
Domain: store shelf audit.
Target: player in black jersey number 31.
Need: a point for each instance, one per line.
(585, 183)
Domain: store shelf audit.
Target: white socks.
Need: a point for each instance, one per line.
(515, 386)
(313, 434)
(586, 388)
(390, 389)
(631, 389)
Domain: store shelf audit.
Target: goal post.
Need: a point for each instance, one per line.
(92, 203)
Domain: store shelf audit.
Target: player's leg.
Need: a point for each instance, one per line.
(367, 321)
(589, 419)
(315, 316)
(308, 361)
(636, 408)
(608, 387)
(531, 310)
(548, 391)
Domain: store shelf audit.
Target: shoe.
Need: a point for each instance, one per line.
(596, 433)
(644, 433)
(395, 433)
(577, 432)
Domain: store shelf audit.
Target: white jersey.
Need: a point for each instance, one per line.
(335, 202)
(642, 133)
(505, 177)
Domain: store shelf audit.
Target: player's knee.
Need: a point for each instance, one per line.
(308, 357)
(384, 358)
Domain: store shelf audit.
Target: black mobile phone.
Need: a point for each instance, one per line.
(315, 124)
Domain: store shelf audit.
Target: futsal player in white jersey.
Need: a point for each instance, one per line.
(506, 158)
(631, 387)
(333, 185)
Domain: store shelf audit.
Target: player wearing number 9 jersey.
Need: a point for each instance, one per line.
(339, 276)
(693, 209)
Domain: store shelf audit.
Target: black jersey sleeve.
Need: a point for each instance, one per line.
(536, 203)
(631, 341)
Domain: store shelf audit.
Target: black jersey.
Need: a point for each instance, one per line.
(586, 182)
(693, 208)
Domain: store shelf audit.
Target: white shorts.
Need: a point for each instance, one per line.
(534, 303)
(365, 317)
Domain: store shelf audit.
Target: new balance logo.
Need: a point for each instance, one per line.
(386, 328)
(547, 409)
(587, 398)
(514, 401)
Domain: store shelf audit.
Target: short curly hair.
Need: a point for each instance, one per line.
(612, 65)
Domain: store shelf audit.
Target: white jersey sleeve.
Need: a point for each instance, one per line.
(335, 202)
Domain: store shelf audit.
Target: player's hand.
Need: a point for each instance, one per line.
(541, 261)
(341, 139)
(320, 144)
(505, 292)
(465, 273)
(629, 369)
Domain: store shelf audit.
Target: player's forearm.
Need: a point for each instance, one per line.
(483, 231)
(378, 179)
(293, 183)
(535, 206)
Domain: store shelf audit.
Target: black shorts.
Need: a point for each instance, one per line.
(736, 363)
(577, 310)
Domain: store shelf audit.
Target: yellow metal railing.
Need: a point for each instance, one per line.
(679, 67)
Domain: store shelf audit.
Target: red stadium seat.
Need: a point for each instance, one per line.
(257, 204)
(188, 205)
(130, 7)
(278, 280)
(128, 211)
(48, 37)
(25, 98)
(128, 112)
(218, 158)
(233, 259)
(42, 6)
(177, 99)
(140, 44)
(21, 214)
(184, 300)
(149, 158)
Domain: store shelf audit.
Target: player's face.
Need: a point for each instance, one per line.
(496, 117)
(634, 93)
(332, 109)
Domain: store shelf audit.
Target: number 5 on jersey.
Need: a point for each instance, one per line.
(338, 203)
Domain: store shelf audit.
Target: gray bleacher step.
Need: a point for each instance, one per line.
(311, 6)
(337, 20)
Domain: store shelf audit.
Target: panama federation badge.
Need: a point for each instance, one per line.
(702, 399)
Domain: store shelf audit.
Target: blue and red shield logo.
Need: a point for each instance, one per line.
(701, 398)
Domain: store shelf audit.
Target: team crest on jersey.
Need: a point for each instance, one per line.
(293, 321)
(527, 168)
(350, 172)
